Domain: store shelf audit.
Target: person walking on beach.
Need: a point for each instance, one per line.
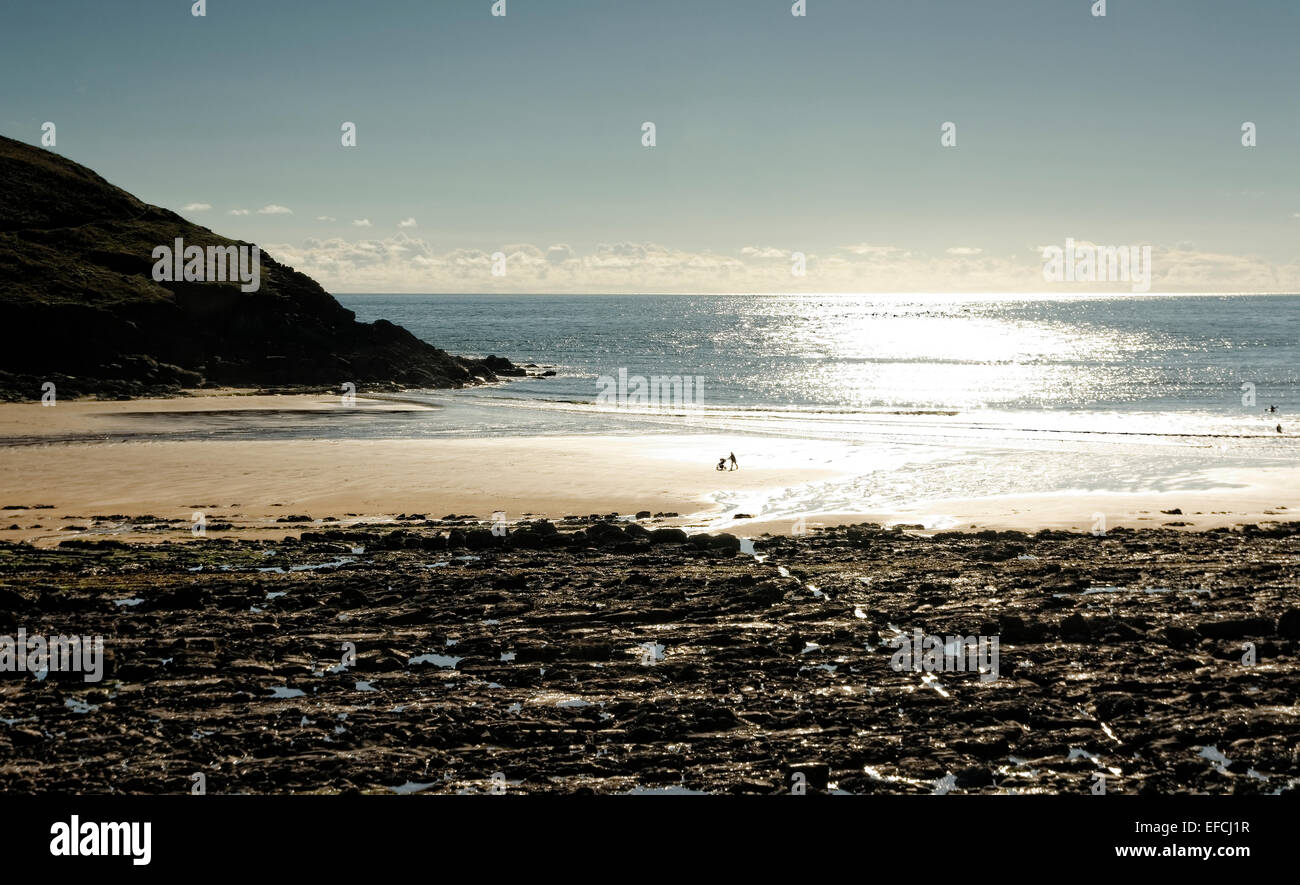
(736, 466)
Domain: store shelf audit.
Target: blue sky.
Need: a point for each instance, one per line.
(775, 134)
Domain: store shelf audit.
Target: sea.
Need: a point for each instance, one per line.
(912, 396)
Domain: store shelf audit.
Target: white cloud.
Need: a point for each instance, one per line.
(869, 249)
(196, 207)
(326, 218)
(560, 253)
(769, 252)
(238, 212)
(964, 250)
(403, 263)
(409, 222)
(273, 209)
(361, 222)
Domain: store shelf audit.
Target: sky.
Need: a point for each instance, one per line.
(775, 136)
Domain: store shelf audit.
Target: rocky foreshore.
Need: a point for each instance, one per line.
(597, 655)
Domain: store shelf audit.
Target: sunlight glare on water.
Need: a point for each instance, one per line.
(1149, 353)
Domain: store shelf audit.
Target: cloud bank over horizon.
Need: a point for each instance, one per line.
(405, 264)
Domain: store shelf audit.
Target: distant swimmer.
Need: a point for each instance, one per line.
(1271, 409)
(736, 466)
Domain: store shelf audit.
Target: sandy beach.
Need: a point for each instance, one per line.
(252, 483)
(140, 469)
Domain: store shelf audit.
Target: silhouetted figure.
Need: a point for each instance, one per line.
(722, 463)
(736, 466)
(1271, 409)
(1279, 428)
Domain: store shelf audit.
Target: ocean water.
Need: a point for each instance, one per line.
(839, 353)
(916, 397)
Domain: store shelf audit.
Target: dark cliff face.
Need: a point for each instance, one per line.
(79, 305)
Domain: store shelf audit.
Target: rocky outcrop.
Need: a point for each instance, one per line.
(79, 306)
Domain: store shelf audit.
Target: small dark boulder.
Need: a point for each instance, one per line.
(605, 533)
(668, 536)
(724, 541)
(1075, 625)
(1236, 628)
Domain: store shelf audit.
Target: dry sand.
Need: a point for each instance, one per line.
(254, 482)
(251, 480)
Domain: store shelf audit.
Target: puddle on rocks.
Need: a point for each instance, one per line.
(447, 662)
(663, 791)
(411, 787)
(334, 563)
(1094, 591)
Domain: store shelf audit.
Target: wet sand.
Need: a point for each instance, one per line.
(142, 468)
